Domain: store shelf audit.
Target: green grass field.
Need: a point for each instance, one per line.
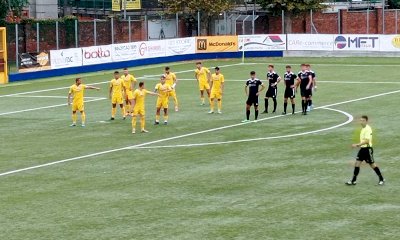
(203, 176)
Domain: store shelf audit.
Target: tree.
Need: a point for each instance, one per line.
(207, 8)
(13, 7)
(291, 8)
(394, 4)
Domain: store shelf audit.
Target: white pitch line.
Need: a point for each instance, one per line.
(46, 107)
(171, 138)
(63, 97)
(98, 83)
(350, 118)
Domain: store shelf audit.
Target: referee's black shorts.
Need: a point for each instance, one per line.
(366, 154)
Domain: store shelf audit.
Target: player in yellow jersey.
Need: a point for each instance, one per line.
(163, 89)
(139, 96)
(217, 89)
(77, 91)
(116, 95)
(129, 86)
(203, 75)
(170, 79)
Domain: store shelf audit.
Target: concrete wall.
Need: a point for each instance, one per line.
(43, 9)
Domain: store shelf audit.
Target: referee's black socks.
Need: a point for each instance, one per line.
(275, 104)
(284, 107)
(248, 114)
(378, 172)
(304, 105)
(310, 102)
(256, 114)
(356, 172)
(293, 108)
(266, 105)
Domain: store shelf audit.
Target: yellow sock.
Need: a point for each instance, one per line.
(74, 117)
(165, 118)
(212, 103)
(123, 112)
(83, 117)
(157, 118)
(176, 101)
(142, 122)
(220, 105)
(113, 111)
(133, 122)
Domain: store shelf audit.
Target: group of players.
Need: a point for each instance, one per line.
(305, 79)
(122, 92)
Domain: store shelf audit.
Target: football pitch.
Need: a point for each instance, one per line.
(203, 176)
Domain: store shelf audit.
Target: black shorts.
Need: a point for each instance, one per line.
(366, 154)
(252, 100)
(271, 92)
(289, 93)
(305, 92)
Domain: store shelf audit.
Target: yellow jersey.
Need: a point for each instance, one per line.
(163, 90)
(217, 81)
(129, 80)
(366, 134)
(202, 74)
(117, 86)
(170, 78)
(77, 92)
(139, 96)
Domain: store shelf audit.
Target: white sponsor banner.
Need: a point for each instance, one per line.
(96, 55)
(152, 49)
(356, 42)
(125, 51)
(262, 42)
(180, 46)
(389, 43)
(303, 42)
(71, 57)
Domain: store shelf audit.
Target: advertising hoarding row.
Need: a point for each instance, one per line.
(74, 57)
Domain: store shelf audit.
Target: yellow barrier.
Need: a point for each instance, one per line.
(3, 57)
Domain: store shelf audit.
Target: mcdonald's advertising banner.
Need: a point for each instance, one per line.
(216, 44)
(116, 5)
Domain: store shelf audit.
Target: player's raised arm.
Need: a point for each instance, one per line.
(91, 87)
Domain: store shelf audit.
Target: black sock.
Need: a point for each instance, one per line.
(256, 114)
(293, 107)
(309, 102)
(266, 105)
(247, 114)
(284, 106)
(356, 172)
(378, 172)
(275, 104)
(304, 105)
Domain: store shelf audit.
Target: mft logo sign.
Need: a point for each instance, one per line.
(357, 42)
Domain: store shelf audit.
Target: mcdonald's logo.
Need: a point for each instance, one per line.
(201, 44)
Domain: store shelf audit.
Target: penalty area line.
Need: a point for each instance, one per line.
(175, 137)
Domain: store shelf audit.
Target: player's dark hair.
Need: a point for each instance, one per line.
(288, 66)
(141, 84)
(166, 68)
(116, 72)
(198, 63)
(216, 68)
(271, 65)
(77, 79)
(125, 68)
(364, 117)
(307, 65)
(252, 73)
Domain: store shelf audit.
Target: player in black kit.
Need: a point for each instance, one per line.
(273, 80)
(313, 87)
(289, 78)
(305, 81)
(252, 90)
